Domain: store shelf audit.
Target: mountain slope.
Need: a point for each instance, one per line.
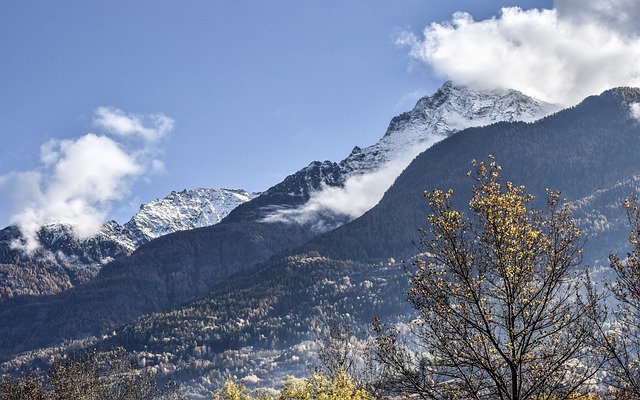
(263, 317)
(578, 151)
(184, 266)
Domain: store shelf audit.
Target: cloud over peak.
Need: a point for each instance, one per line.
(579, 48)
(80, 178)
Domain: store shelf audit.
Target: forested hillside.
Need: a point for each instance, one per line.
(258, 322)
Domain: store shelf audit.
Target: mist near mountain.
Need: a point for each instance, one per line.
(62, 260)
(367, 173)
(80, 178)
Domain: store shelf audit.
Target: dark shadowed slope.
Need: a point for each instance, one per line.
(161, 274)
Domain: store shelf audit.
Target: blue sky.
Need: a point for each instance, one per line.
(253, 90)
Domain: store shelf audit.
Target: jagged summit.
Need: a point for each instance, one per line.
(450, 109)
(184, 210)
(65, 260)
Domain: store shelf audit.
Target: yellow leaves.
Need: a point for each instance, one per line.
(232, 391)
(532, 235)
(317, 387)
(491, 279)
(635, 364)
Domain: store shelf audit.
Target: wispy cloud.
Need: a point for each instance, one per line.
(579, 48)
(80, 178)
(358, 195)
(148, 127)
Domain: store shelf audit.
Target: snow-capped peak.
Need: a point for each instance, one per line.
(337, 193)
(184, 210)
(178, 211)
(63, 260)
(450, 109)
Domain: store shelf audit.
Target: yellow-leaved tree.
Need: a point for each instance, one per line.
(317, 387)
(503, 310)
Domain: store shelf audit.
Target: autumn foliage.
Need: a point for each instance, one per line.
(503, 313)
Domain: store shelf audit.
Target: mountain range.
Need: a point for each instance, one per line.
(243, 296)
(63, 261)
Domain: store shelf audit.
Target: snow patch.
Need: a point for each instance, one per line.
(635, 111)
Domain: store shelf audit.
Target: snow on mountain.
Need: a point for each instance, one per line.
(451, 109)
(339, 192)
(184, 210)
(179, 211)
(64, 260)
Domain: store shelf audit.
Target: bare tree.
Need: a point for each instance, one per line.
(341, 351)
(90, 377)
(620, 337)
(113, 377)
(503, 310)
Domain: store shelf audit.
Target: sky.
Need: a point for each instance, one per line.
(105, 105)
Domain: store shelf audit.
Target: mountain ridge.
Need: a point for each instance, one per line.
(263, 315)
(63, 261)
(315, 284)
(184, 265)
(432, 119)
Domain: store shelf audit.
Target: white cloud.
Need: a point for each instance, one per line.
(150, 127)
(358, 195)
(621, 16)
(79, 179)
(581, 47)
